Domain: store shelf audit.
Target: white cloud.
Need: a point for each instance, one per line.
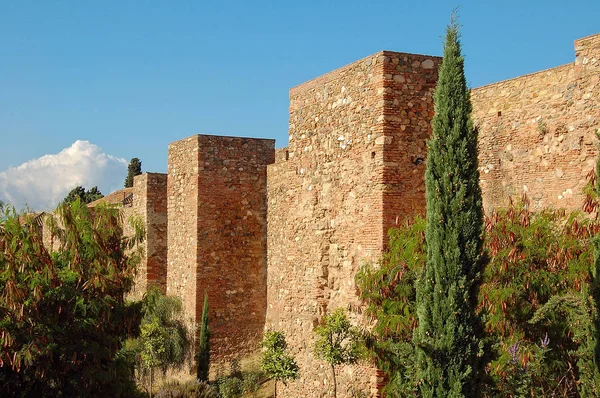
(42, 183)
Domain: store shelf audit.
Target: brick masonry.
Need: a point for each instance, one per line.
(275, 237)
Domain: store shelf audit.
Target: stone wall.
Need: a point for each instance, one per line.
(217, 190)
(150, 204)
(537, 132)
(182, 226)
(278, 246)
(353, 169)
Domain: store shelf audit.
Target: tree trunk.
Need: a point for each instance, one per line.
(334, 382)
(275, 393)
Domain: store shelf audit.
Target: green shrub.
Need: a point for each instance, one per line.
(63, 314)
(190, 389)
(251, 382)
(230, 387)
(276, 362)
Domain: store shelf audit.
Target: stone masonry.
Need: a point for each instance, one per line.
(352, 170)
(275, 237)
(537, 132)
(217, 206)
(150, 203)
(147, 199)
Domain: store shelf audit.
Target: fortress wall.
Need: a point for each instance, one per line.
(156, 225)
(136, 208)
(354, 168)
(537, 133)
(325, 207)
(217, 236)
(182, 226)
(232, 240)
(150, 203)
(410, 82)
(587, 54)
(349, 135)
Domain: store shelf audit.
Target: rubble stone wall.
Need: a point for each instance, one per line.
(537, 132)
(232, 240)
(182, 226)
(354, 134)
(217, 236)
(354, 168)
(150, 204)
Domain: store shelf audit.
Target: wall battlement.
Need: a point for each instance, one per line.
(275, 237)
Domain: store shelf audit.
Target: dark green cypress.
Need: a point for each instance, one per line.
(134, 169)
(204, 344)
(449, 348)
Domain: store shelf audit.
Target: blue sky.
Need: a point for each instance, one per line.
(132, 76)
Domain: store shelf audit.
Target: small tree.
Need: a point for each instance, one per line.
(275, 362)
(204, 344)
(134, 169)
(338, 342)
(164, 342)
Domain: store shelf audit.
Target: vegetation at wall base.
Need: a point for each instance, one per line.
(163, 342)
(190, 389)
(276, 362)
(63, 316)
(338, 342)
(536, 301)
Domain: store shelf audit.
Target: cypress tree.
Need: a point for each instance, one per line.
(448, 348)
(134, 169)
(204, 346)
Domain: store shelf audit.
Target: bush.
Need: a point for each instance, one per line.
(534, 294)
(251, 382)
(190, 389)
(63, 314)
(164, 342)
(230, 387)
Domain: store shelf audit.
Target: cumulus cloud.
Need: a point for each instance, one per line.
(42, 183)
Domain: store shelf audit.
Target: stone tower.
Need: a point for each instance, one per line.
(217, 204)
(354, 168)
